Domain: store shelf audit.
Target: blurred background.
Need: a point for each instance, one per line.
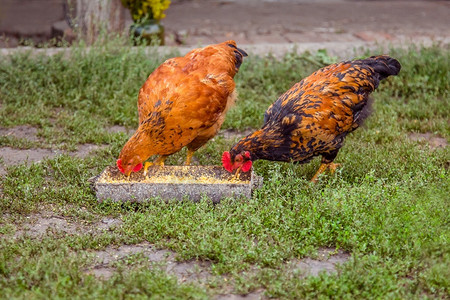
(199, 22)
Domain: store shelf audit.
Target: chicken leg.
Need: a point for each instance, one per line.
(158, 162)
(327, 164)
(189, 155)
(323, 167)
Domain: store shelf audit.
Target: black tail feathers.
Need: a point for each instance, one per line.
(238, 50)
(239, 54)
(384, 65)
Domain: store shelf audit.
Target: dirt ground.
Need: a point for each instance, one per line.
(39, 225)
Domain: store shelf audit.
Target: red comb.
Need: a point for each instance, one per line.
(137, 167)
(246, 166)
(226, 161)
(119, 165)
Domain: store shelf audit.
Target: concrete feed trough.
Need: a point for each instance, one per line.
(174, 182)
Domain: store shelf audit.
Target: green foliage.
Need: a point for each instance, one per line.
(388, 205)
(71, 98)
(46, 269)
(142, 10)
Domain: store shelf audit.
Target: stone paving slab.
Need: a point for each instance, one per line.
(342, 50)
(297, 21)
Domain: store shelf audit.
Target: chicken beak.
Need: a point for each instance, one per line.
(237, 174)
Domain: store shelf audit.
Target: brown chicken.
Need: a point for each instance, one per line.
(182, 103)
(314, 116)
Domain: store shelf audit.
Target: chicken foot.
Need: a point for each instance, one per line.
(323, 167)
(158, 162)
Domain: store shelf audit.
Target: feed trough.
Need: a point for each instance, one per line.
(174, 182)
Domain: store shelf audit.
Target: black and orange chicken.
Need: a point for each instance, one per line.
(182, 103)
(314, 116)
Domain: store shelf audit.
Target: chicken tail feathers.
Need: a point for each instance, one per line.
(239, 54)
(383, 65)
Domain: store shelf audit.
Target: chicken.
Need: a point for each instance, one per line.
(182, 103)
(314, 116)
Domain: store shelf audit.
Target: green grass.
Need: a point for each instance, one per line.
(388, 205)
